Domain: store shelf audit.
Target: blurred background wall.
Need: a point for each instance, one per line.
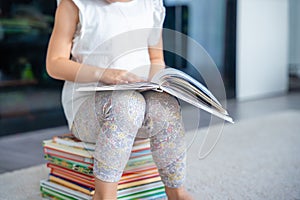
(262, 48)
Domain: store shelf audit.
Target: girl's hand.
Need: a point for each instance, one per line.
(118, 76)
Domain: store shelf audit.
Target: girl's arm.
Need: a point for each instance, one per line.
(156, 58)
(58, 63)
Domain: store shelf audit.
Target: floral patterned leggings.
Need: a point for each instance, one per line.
(113, 120)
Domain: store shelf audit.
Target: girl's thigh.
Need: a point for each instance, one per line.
(122, 108)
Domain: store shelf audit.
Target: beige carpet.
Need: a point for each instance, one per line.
(254, 159)
(22, 184)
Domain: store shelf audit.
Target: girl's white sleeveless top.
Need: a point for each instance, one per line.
(112, 35)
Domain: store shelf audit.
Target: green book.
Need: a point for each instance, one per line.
(140, 189)
(50, 194)
(69, 164)
(151, 194)
(56, 190)
(139, 162)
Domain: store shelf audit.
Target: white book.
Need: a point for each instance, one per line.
(141, 188)
(178, 84)
(64, 190)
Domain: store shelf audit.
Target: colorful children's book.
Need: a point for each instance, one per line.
(88, 181)
(64, 155)
(70, 140)
(49, 144)
(71, 172)
(156, 192)
(141, 182)
(52, 190)
(139, 162)
(70, 164)
(140, 145)
(129, 177)
(60, 189)
(71, 185)
(140, 153)
(140, 188)
(53, 195)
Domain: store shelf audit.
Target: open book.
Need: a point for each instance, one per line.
(178, 84)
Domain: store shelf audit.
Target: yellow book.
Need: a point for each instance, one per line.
(138, 174)
(71, 185)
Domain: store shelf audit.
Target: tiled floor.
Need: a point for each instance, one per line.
(25, 149)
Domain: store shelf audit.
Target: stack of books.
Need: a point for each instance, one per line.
(71, 171)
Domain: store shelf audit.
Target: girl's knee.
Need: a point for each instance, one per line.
(124, 108)
(162, 106)
(163, 116)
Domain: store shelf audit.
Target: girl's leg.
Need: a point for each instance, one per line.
(105, 190)
(111, 119)
(164, 124)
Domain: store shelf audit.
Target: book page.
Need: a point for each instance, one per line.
(171, 72)
(187, 87)
(189, 98)
(141, 86)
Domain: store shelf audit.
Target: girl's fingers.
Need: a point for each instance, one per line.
(116, 76)
(131, 78)
(122, 82)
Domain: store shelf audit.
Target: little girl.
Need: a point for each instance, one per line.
(86, 46)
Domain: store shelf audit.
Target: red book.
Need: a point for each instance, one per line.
(88, 181)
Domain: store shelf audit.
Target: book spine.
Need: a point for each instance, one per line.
(138, 178)
(70, 185)
(78, 180)
(136, 183)
(66, 155)
(139, 161)
(79, 145)
(54, 195)
(138, 174)
(64, 190)
(68, 149)
(70, 171)
(70, 165)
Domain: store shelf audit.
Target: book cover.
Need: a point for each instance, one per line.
(153, 194)
(69, 171)
(140, 188)
(141, 182)
(141, 145)
(139, 161)
(69, 139)
(60, 189)
(70, 164)
(88, 181)
(141, 153)
(72, 185)
(51, 194)
(68, 149)
(126, 176)
(138, 178)
(71, 175)
(67, 155)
